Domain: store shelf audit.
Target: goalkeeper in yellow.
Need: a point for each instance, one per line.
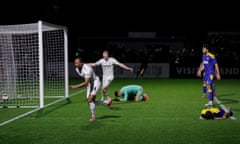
(131, 92)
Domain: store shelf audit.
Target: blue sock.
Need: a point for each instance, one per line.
(213, 88)
(210, 95)
(204, 88)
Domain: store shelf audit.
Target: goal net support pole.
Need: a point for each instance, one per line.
(33, 64)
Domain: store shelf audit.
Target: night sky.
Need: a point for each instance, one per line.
(116, 19)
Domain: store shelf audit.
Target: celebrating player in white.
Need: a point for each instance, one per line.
(107, 64)
(92, 82)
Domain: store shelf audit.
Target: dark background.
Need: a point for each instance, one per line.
(103, 22)
(117, 18)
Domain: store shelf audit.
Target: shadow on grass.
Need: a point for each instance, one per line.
(227, 100)
(92, 126)
(98, 123)
(224, 95)
(109, 117)
(46, 111)
(116, 108)
(126, 102)
(235, 109)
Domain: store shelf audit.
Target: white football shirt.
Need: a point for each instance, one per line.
(107, 66)
(86, 72)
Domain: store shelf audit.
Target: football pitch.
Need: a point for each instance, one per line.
(171, 116)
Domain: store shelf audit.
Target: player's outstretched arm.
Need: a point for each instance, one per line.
(92, 64)
(137, 97)
(200, 69)
(217, 72)
(125, 67)
(95, 64)
(85, 83)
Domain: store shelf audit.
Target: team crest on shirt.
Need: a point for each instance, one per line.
(205, 62)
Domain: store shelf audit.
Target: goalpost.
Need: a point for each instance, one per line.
(33, 64)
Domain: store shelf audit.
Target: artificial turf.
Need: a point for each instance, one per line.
(170, 116)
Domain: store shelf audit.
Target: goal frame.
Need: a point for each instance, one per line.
(41, 60)
(42, 27)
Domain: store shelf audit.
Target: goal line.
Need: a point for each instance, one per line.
(37, 109)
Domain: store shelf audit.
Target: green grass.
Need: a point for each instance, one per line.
(171, 116)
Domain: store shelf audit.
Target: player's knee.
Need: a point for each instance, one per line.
(104, 89)
(209, 87)
(90, 99)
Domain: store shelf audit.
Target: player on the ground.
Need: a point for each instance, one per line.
(131, 92)
(92, 82)
(107, 64)
(215, 114)
(211, 69)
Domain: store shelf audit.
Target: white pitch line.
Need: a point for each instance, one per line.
(32, 111)
(223, 107)
(113, 118)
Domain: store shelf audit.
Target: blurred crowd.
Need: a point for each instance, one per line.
(223, 48)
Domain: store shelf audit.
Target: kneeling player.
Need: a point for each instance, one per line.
(131, 92)
(215, 114)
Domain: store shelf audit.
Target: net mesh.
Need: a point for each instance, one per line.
(19, 64)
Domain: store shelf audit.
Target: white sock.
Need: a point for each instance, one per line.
(106, 94)
(106, 102)
(102, 98)
(102, 102)
(92, 108)
(210, 102)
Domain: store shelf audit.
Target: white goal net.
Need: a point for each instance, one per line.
(33, 64)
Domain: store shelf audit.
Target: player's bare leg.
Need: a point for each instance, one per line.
(102, 97)
(106, 94)
(92, 107)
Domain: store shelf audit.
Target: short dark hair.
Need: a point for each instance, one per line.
(78, 58)
(116, 93)
(107, 51)
(208, 47)
(205, 45)
(209, 115)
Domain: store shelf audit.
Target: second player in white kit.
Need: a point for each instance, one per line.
(107, 64)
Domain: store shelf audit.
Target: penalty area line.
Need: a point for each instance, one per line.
(224, 107)
(37, 109)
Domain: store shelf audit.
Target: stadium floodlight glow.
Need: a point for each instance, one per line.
(33, 64)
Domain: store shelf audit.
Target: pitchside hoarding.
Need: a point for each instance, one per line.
(154, 70)
(190, 71)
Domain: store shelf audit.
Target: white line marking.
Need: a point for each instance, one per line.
(32, 111)
(223, 107)
(113, 118)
